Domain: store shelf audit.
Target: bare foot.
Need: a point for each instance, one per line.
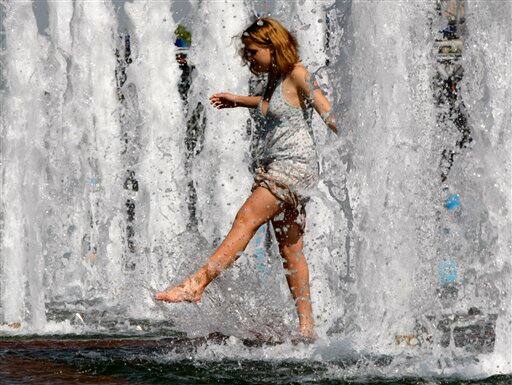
(189, 291)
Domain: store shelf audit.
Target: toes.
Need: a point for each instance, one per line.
(159, 295)
(175, 297)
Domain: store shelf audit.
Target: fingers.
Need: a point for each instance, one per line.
(215, 100)
(221, 100)
(217, 104)
(217, 96)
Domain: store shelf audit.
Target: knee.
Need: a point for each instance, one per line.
(247, 217)
(292, 254)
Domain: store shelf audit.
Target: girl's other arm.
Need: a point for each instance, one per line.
(302, 80)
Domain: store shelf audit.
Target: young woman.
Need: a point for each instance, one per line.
(287, 165)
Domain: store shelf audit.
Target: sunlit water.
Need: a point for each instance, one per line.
(105, 198)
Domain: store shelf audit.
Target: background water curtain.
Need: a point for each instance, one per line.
(118, 177)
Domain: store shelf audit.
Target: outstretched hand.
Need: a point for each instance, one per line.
(223, 100)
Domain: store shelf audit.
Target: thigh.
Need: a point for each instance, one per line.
(289, 229)
(260, 207)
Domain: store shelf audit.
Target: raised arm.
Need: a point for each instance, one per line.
(229, 100)
(247, 101)
(310, 87)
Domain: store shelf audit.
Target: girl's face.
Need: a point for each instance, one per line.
(260, 59)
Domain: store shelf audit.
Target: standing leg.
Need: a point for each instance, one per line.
(290, 239)
(259, 208)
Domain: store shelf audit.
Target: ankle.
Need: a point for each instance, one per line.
(306, 321)
(210, 271)
(202, 277)
(308, 335)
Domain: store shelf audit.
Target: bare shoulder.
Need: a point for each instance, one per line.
(299, 73)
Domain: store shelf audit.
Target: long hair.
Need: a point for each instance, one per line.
(267, 32)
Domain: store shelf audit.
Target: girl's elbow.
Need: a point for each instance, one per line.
(334, 129)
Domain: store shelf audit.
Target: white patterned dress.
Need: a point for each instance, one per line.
(286, 158)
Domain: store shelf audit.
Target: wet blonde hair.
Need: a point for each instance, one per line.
(267, 32)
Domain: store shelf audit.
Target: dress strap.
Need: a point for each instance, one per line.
(258, 107)
(310, 98)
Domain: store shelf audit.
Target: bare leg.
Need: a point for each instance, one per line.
(259, 208)
(290, 239)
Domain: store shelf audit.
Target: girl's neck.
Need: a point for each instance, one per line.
(273, 77)
(272, 80)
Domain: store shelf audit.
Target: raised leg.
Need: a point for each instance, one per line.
(290, 239)
(259, 208)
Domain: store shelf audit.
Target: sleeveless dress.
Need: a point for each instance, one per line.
(286, 156)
